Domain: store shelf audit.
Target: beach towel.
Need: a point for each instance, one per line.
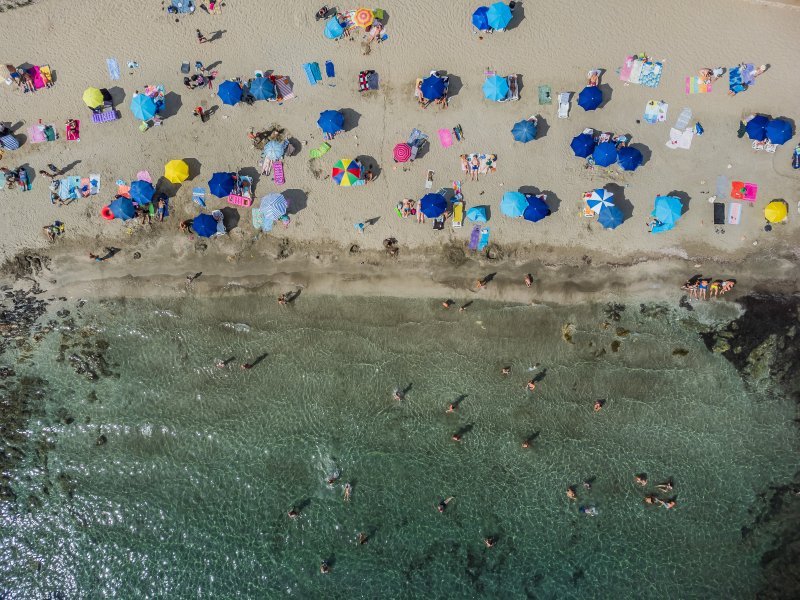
(237, 200)
(719, 213)
(199, 196)
(38, 80)
(277, 172)
(258, 219)
(317, 152)
(722, 187)
(680, 139)
(739, 80)
(696, 85)
(445, 137)
(545, 94)
(655, 112)
(94, 184)
(113, 68)
(330, 70)
(183, 6)
(429, 180)
(651, 74)
(312, 72)
(484, 241)
(474, 237)
(104, 116)
(626, 68)
(284, 85)
(734, 213)
(47, 75)
(36, 134)
(742, 190)
(75, 135)
(68, 188)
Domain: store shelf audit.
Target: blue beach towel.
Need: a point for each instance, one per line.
(183, 6)
(312, 72)
(330, 71)
(113, 68)
(484, 241)
(198, 195)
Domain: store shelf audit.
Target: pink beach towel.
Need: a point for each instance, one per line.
(744, 191)
(695, 85)
(446, 137)
(277, 173)
(36, 135)
(74, 135)
(144, 176)
(627, 67)
(734, 213)
(239, 200)
(38, 79)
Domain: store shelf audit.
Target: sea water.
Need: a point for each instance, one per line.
(170, 477)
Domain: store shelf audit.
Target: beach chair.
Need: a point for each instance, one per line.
(277, 173)
(416, 140)
(563, 105)
(513, 88)
(458, 214)
(237, 200)
(105, 116)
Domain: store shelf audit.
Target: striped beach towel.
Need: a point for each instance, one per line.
(277, 173)
(284, 86)
(695, 85)
(313, 73)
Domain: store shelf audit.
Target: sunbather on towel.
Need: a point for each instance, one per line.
(593, 78)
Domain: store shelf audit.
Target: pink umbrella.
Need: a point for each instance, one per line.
(402, 152)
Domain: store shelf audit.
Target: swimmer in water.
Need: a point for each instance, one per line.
(526, 443)
(531, 385)
(587, 485)
(447, 303)
(325, 567)
(443, 504)
(571, 493)
(348, 489)
(450, 408)
(669, 504)
(589, 511)
(506, 371)
(333, 478)
(362, 538)
(398, 395)
(665, 487)
(489, 541)
(641, 479)
(293, 513)
(651, 499)
(598, 404)
(456, 437)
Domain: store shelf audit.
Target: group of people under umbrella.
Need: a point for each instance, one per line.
(762, 129)
(493, 18)
(605, 150)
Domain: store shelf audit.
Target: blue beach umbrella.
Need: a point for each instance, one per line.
(498, 15)
(273, 207)
(756, 128)
(600, 200)
(477, 214)
(582, 145)
(432, 88)
(479, 19)
(524, 131)
(330, 121)
(142, 192)
(779, 131)
(143, 107)
(262, 88)
(495, 88)
(333, 29)
(433, 205)
(537, 210)
(122, 208)
(229, 92)
(274, 150)
(610, 218)
(204, 225)
(513, 204)
(605, 154)
(221, 184)
(590, 98)
(667, 211)
(629, 158)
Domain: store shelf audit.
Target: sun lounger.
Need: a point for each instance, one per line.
(277, 173)
(734, 213)
(199, 196)
(246, 186)
(458, 214)
(719, 213)
(105, 116)
(416, 140)
(563, 105)
(484, 241)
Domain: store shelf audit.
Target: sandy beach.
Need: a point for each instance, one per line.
(546, 44)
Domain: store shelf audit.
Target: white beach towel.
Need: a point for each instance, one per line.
(680, 139)
(734, 213)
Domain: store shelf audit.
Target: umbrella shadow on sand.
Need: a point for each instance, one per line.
(172, 104)
(684, 198)
(607, 92)
(620, 201)
(117, 95)
(230, 218)
(369, 164)
(645, 151)
(194, 167)
(351, 119)
(254, 174)
(455, 84)
(297, 199)
(542, 127)
(517, 16)
(552, 200)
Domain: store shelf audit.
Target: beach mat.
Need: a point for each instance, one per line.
(113, 68)
(484, 241)
(312, 72)
(695, 85)
(330, 70)
(719, 213)
(445, 137)
(545, 94)
(284, 86)
(742, 190)
(277, 173)
(734, 213)
(474, 237)
(723, 185)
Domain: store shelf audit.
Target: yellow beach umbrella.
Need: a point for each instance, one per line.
(176, 171)
(776, 211)
(92, 97)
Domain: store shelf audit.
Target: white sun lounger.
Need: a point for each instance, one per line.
(563, 105)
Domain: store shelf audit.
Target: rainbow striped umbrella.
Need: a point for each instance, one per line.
(363, 17)
(346, 172)
(402, 152)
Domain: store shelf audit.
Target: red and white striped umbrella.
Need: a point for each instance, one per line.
(402, 152)
(363, 17)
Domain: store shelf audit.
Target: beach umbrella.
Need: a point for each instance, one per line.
(363, 17)
(230, 92)
(479, 19)
(536, 210)
(629, 158)
(432, 88)
(262, 89)
(610, 218)
(346, 172)
(756, 128)
(204, 225)
(582, 145)
(333, 29)
(274, 150)
(605, 154)
(143, 107)
(273, 207)
(599, 200)
(495, 88)
(221, 184)
(590, 98)
(498, 15)
(776, 211)
(402, 152)
(477, 214)
(513, 204)
(142, 192)
(330, 121)
(667, 209)
(92, 97)
(122, 208)
(176, 171)
(524, 131)
(779, 131)
(433, 205)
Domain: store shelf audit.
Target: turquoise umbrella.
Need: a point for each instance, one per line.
(667, 211)
(143, 107)
(477, 214)
(498, 16)
(513, 204)
(495, 88)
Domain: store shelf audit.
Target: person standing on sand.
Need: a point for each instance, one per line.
(201, 38)
(528, 280)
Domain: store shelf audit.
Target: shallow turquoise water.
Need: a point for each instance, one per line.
(189, 494)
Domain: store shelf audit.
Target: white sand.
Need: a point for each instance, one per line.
(555, 44)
